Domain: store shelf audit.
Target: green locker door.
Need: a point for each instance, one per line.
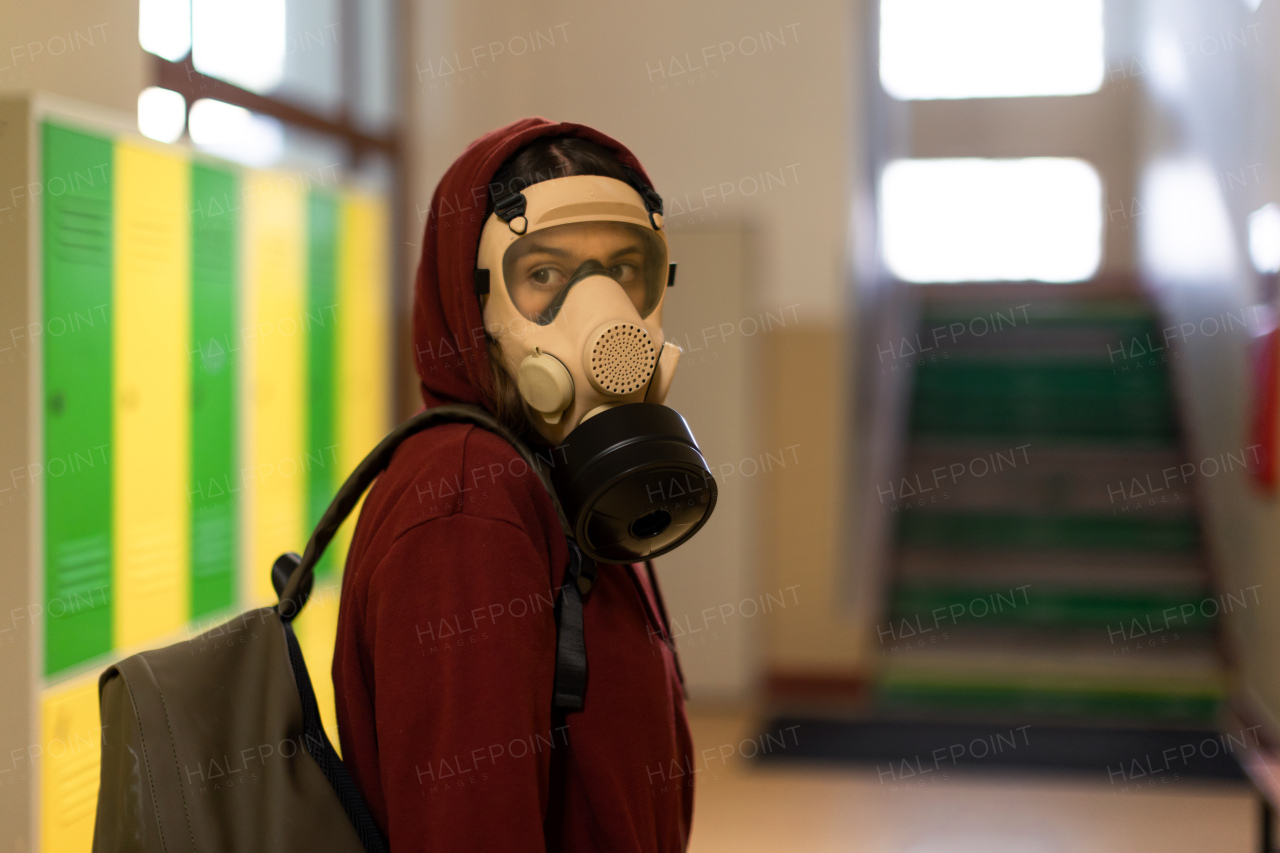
(215, 347)
(76, 342)
(320, 323)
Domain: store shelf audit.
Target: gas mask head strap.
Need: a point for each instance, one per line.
(510, 206)
(652, 201)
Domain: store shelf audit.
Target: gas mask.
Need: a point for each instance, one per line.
(572, 273)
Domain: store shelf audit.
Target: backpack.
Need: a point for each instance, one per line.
(178, 721)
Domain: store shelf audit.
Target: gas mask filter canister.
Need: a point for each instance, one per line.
(572, 273)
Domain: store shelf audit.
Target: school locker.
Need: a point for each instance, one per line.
(199, 360)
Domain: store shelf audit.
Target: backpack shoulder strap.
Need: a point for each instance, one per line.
(293, 596)
(571, 648)
(571, 656)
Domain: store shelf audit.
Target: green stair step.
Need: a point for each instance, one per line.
(1032, 606)
(1033, 330)
(1047, 398)
(1124, 571)
(989, 530)
(1034, 477)
(1063, 424)
(1122, 315)
(1042, 378)
(1020, 670)
(1049, 702)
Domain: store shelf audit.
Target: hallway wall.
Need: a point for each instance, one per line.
(78, 48)
(1212, 142)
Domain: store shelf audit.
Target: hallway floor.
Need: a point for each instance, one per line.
(741, 806)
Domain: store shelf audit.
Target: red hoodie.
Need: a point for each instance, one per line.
(446, 633)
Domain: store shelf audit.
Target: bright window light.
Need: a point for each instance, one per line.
(162, 113)
(1032, 219)
(990, 48)
(164, 28)
(1185, 230)
(235, 133)
(240, 41)
(1264, 238)
(1167, 59)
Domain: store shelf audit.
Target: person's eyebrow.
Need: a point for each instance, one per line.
(540, 248)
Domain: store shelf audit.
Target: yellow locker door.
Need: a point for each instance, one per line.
(274, 300)
(151, 409)
(364, 371)
(68, 757)
(317, 630)
(363, 405)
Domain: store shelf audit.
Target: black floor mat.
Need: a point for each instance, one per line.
(902, 750)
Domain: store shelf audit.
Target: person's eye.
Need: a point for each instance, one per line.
(547, 277)
(622, 273)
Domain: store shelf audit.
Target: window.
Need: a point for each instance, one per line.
(1264, 238)
(240, 41)
(990, 48)
(162, 114)
(164, 28)
(1186, 231)
(302, 83)
(971, 219)
(235, 133)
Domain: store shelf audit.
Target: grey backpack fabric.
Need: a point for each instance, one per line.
(215, 744)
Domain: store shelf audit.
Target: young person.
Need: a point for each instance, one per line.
(446, 646)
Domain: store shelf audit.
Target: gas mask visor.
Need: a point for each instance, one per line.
(541, 268)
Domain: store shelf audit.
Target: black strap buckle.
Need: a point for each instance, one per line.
(652, 201)
(281, 570)
(509, 205)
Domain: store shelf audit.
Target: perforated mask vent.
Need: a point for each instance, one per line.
(620, 358)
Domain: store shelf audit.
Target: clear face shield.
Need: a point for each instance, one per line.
(541, 268)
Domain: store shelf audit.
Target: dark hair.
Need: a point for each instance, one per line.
(553, 157)
(541, 160)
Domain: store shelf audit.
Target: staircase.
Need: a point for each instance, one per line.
(1048, 565)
